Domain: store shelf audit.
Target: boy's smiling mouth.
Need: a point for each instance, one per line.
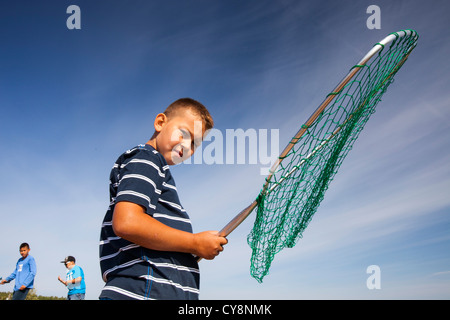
(177, 154)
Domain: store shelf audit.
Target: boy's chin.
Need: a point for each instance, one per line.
(175, 159)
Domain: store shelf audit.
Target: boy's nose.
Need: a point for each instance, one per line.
(186, 146)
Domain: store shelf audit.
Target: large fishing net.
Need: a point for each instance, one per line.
(298, 181)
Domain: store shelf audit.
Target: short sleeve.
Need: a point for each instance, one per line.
(140, 181)
(76, 272)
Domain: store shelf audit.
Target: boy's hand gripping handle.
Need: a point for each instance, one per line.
(235, 222)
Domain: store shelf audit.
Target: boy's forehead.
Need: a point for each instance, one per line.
(187, 113)
(188, 117)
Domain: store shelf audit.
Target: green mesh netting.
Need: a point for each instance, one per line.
(297, 185)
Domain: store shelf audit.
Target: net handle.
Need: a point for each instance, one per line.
(235, 222)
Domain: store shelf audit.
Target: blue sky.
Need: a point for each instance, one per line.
(72, 100)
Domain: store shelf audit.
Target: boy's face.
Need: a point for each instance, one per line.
(24, 251)
(179, 136)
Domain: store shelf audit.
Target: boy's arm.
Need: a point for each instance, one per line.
(12, 276)
(73, 281)
(130, 222)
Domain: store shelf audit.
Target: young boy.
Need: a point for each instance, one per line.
(147, 247)
(74, 279)
(23, 274)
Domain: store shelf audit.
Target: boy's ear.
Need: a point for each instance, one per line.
(160, 121)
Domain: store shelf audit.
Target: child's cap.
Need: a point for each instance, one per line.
(67, 259)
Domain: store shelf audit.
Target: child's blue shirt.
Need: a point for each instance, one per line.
(24, 273)
(79, 287)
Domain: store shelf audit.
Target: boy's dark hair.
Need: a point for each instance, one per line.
(24, 245)
(194, 106)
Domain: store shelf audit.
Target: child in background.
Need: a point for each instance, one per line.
(23, 274)
(74, 279)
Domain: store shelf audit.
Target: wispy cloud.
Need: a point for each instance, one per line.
(442, 273)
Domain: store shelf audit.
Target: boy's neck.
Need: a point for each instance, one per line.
(152, 142)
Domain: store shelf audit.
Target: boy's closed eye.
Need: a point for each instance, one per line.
(196, 143)
(185, 134)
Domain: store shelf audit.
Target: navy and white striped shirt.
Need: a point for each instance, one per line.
(141, 175)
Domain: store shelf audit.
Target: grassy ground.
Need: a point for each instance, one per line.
(31, 296)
